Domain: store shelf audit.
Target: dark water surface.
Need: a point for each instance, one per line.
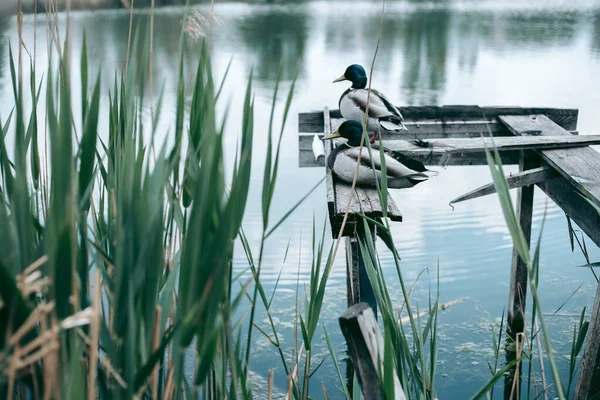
(529, 53)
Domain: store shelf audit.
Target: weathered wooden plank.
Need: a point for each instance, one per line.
(564, 117)
(328, 173)
(478, 145)
(358, 286)
(432, 128)
(307, 160)
(449, 128)
(581, 166)
(520, 179)
(464, 151)
(352, 281)
(517, 297)
(588, 383)
(576, 207)
(310, 122)
(365, 343)
(449, 118)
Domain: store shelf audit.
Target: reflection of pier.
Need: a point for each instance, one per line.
(542, 141)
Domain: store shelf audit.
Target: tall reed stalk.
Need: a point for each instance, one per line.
(156, 233)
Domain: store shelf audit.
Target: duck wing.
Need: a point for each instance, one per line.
(411, 163)
(344, 165)
(394, 167)
(358, 98)
(388, 104)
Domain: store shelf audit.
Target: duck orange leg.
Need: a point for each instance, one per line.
(373, 138)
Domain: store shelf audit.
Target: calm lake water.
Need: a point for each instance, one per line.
(529, 53)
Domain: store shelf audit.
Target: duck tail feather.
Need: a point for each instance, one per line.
(393, 126)
(417, 178)
(410, 162)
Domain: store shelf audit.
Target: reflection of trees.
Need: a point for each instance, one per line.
(351, 34)
(425, 50)
(595, 44)
(3, 51)
(421, 36)
(276, 36)
(541, 28)
(108, 48)
(469, 32)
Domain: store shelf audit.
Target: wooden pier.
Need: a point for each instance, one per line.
(544, 142)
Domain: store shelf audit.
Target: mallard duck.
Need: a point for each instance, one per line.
(353, 103)
(402, 171)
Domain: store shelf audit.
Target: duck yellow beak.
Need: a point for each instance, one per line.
(341, 78)
(334, 135)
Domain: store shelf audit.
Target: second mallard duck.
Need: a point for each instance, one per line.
(353, 103)
(402, 171)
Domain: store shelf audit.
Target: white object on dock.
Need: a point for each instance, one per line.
(317, 147)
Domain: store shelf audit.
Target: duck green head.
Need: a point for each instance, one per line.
(355, 74)
(351, 130)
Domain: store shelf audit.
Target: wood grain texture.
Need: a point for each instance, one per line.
(312, 122)
(365, 345)
(576, 207)
(520, 179)
(588, 383)
(358, 286)
(352, 281)
(478, 145)
(328, 148)
(580, 166)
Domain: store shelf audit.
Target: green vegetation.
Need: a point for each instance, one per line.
(117, 251)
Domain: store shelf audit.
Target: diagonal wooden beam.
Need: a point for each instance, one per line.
(520, 179)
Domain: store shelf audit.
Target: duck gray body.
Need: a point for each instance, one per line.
(382, 113)
(353, 103)
(399, 168)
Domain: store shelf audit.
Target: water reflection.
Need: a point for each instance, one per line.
(425, 56)
(468, 33)
(276, 37)
(109, 44)
(434, 53)
(596, 34)
(538, 28)
(421, 39)
(4, 24)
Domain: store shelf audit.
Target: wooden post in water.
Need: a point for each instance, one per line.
(518, 281)
(365, 343)
(518, 274)
(588, 383)
(359, 287)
